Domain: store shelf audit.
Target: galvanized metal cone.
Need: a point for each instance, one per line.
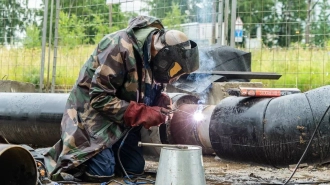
(179, 166)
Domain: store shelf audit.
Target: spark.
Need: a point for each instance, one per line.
(198, 116)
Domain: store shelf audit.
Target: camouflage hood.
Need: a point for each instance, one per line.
(144, 21)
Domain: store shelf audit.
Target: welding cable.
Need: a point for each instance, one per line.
(118, 152)
(309, 143)
(118, 156)
(128, 178)
(136, 179)
(106, 183)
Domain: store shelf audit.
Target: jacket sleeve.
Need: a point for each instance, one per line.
(109, 76)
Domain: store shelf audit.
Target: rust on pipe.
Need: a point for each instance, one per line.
(17, 166)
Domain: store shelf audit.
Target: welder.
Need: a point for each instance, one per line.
(120, 88)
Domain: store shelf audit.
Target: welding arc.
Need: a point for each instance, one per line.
(309, 143)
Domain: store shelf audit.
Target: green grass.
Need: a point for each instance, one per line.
(24, 65)
(302, 68)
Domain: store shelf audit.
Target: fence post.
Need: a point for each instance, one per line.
(232, 24)
(44, 34)
(220, 20)
(226, 22)
(214, 11)
(49, 42)
(55, 44)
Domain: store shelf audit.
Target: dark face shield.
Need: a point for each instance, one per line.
(173, 61)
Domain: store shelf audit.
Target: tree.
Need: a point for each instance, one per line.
(321, 26)
(70, 30)
(15, 16)
(173, 19)
(255, 13)
(290, 21)
(281, 20)
(32, 38)
(160, 8)
(93, 14)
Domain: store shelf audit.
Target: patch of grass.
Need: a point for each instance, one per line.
(302, 68)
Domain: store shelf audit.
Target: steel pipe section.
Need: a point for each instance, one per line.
(185, 129)
(31, 118)
(17, 166)
(273, 131)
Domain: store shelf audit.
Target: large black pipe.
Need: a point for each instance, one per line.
(272, 131)
(35, 118)
(31, 118)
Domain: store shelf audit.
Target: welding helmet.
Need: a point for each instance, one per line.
(176, 56)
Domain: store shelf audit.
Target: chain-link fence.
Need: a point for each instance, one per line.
(55, 37)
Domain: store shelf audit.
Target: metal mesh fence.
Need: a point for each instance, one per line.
(54, 38)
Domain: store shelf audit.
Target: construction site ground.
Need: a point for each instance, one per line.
(224, 172)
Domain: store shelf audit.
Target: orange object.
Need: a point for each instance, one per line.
(42, 173)
(263, 92)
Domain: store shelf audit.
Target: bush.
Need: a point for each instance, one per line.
(32, 39)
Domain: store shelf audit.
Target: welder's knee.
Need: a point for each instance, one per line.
(102, 164)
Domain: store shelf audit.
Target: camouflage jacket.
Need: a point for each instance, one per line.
(93, 117)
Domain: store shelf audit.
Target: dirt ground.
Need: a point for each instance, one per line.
(219, 171)
(223, 172)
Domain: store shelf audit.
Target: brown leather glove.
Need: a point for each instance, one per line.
(141, 114)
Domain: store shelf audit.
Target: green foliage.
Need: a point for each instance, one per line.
(253, 15)
(70, 30)
(173, 19)
(92, 16)
(32, 39)
(33, 76)
(14, 16)
(288, 23)
(321, 27)
(101, 29)
(160, 8)
(281, 18)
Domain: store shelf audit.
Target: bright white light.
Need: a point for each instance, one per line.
(198, 115)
